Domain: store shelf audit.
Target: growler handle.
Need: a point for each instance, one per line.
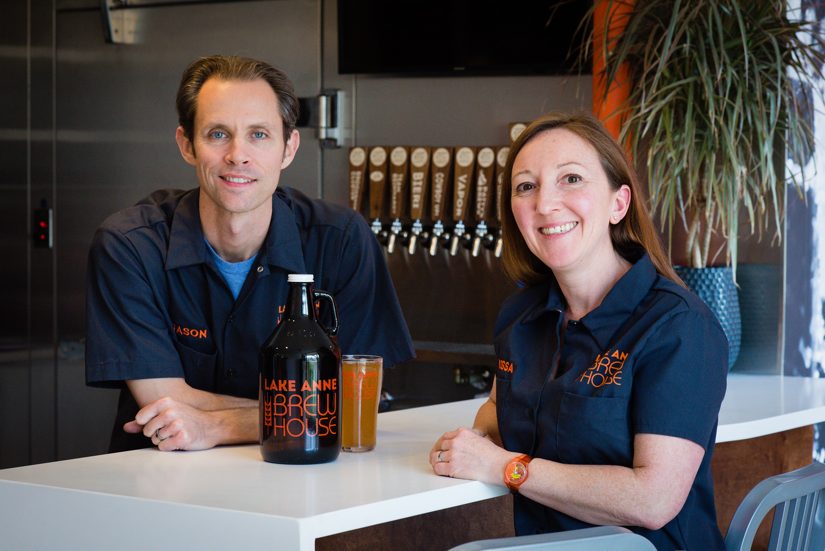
(334, 329)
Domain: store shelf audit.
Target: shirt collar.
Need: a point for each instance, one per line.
(186, 244)
(621, 301)
(554, 301)
(282, 246)
(616, 307)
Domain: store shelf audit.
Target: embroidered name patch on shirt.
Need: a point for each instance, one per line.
(190, 332)
(506, 367)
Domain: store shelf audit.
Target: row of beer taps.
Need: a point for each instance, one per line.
(461, 186)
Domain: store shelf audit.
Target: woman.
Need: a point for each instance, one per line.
(610, 373)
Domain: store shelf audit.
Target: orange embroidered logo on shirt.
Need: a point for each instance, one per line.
(606, 370)
(189, 332)
(506, 367)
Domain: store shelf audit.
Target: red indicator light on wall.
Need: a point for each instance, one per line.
(42, 231)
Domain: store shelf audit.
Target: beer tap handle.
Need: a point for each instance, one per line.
(419, 183)
(397, 234)
(357, 168)
(480, 234)
(441, 167)
(459, 231)
(501, 166)
(416, 231)
(515, 130)
(398, 192)
(378, 178)
(437, 234)
(462, 194)
(485, 183)
(391, 237)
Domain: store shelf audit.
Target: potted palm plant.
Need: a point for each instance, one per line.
(718, 89)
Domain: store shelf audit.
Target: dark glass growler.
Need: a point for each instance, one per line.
(300, 382)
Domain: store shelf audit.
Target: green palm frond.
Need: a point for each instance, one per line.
(714, 94)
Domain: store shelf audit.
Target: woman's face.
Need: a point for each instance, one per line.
(563, 203)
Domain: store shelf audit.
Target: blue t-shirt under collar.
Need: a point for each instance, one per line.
(234, 273)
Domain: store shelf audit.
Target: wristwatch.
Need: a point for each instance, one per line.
(515, 472)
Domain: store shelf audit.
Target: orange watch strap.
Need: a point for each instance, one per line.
(515, 472)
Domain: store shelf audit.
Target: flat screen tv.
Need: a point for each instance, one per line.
(454, 37)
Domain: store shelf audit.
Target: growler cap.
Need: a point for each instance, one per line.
(300, 278)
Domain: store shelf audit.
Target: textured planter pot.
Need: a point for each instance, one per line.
(760, 304)
(715, 286)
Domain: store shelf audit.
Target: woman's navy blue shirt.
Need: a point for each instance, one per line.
(652, 358)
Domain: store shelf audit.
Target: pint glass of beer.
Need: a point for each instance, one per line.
(361, 391)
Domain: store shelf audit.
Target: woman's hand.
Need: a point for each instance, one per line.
(464, 453)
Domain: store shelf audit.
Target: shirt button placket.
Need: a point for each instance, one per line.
(227, 339)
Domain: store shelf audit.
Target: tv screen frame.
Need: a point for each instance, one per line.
(460, 37)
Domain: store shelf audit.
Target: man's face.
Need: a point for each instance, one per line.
(237, 147)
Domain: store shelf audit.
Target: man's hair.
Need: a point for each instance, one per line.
(233, 68)
(634, 232)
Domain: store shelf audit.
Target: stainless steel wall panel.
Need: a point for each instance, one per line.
(14, 408)
(458, 111)
(13, 172)
(44, 269)
(85, 414)
(14, 272)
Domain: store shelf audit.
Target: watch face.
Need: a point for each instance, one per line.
(516, 472)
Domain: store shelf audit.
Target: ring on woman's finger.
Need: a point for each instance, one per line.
(438, 457)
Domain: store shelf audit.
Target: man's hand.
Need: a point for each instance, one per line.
(178, 417)
(173, 425)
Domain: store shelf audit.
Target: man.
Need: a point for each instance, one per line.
(184, 287)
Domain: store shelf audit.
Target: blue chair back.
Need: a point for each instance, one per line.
(797, 520)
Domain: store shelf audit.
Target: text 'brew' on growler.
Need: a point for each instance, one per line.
(300, 382)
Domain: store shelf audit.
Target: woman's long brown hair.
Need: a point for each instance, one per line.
(634, 231)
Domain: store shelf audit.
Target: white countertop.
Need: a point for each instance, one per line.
(229, 498)
(756, 405)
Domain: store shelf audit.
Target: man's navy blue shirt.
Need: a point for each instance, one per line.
(650, 359)
(157, 306)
